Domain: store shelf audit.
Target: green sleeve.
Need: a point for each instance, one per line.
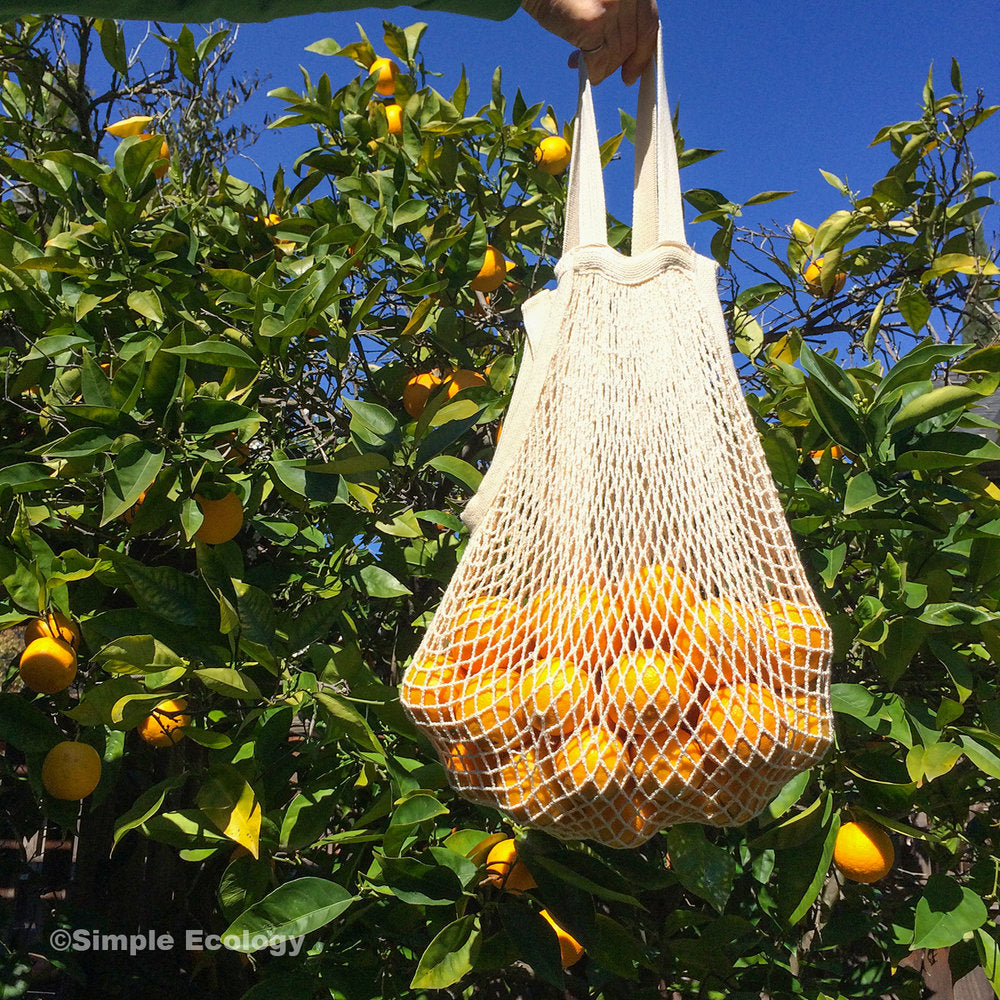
(194, 11)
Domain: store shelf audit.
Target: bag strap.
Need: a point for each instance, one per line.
(657, 206)
(586, 211)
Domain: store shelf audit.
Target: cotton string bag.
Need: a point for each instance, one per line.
(629, 640)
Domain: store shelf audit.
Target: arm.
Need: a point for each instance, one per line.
(610, 33)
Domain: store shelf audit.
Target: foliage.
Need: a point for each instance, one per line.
(161, 339)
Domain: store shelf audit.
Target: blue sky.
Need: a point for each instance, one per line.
(783, 88)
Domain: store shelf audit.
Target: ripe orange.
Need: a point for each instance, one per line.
(582, 625)
(417, 391)
(71, 770)
(163, 726)
(525, 788)
(470, 760)
(553, 154)
(490, 706)
(715, 636)
(667, 764)
(394, 116)
(505, 870)
(797, 643)
(555, 695)
(55, 625)
(810, 732)
(741, 721)
(621, 818)
(462, 378)
(649, 689)
(493, 272)
(813, 277)
(488, 630)
(570, 950)
(129, 516)
(863, 851)
(233, 449)
(223, 518)
(656, 601)
(163, 162)
(48, 665)
(592, 760)
(387, 72)
(835, 452)
(429, 689)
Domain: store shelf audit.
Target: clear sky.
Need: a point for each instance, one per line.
(784, 88)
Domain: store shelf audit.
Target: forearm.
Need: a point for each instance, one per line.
(194, 11)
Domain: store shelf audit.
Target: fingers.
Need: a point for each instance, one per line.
(647, 21)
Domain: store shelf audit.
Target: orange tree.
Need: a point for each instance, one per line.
(189, 358)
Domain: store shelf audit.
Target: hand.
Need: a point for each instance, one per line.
(609, 33)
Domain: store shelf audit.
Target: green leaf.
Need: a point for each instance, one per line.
(765, 196)
(861, 493)
(381, 583)
(935, 402)
(229, 682)
(147, 303)
(25, 726)
(457, 469)
(945, 913)
(949, 450)
(701, 867)
(215, 352)
(450, 955)
(145, 807)
(417, 809)
(291, 911)
(230, 802)
(113, 44)
(136, 466)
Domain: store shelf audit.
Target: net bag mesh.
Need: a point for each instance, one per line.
(629, 640)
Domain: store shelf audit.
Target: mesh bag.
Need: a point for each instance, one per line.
(629, 640)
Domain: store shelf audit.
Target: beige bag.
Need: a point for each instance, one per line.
(630, 640)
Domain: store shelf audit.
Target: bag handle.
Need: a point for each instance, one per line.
(657, 208)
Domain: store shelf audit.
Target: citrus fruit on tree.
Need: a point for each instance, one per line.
(491, 708)
(491, 275)
(505, 870)
(417, 391)
(553, 154)
(54, 625)
(387, 72)
(570, 950)
(71, 770)
(591, 760)
(582, 625)
(556, 695)
(223, 518)
(796, 641)
(163, 727)
(716, 637)
(655, 602)
(741, 721)
(461, 379)
(487, 631)
(813, 277)
(129, 516)
(163, 161)
(667, 764)
(863, 851)
(394, 116)
(48, 665)
(430, 688)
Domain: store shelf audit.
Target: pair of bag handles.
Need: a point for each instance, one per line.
(657, 208)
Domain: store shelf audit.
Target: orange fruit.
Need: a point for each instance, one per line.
(526, 789)
(490, 706)
(715, 636)
(797, 643)
(429, 689)
(493, 272)
(48, 665)
(162, 727)
(555, 695)
(488, 630)
(417, 391)
(570, 950)
(814, 279)
(129, 516)
(553, 154)
(222, 518)
(55, 625)
(582, 625)
(649, 689)
(656, 601)
(592, 760)
(667, 764)
(233, 449)
(460, 379)
(163, 162)
(387, 72)
(835, 452)
(741, 721)
(394, 116)
(621, 819)
(470, 760)
(809, 727)
(71, 770)
(863, 851)
(505, 870)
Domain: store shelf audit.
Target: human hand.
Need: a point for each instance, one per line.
(609, 33)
